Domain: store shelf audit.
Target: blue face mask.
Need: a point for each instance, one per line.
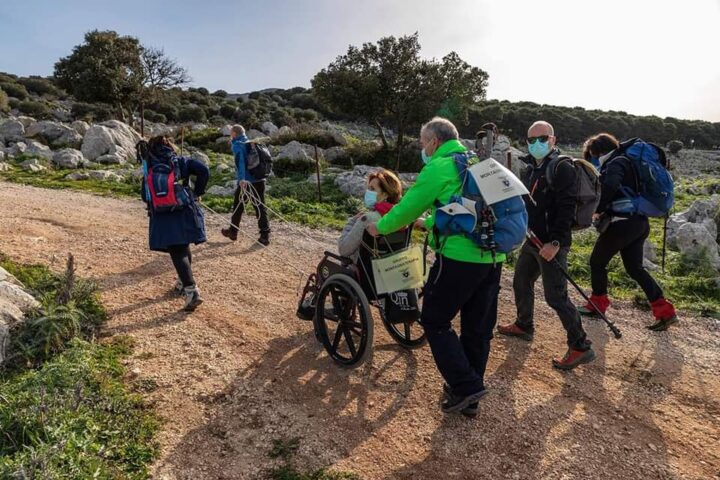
(425, 157)
(539, 149)
(595, 161)
(370, 198)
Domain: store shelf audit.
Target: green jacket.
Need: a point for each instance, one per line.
(437, 181)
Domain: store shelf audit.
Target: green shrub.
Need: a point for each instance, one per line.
(73, 418)
(220, 93)
(674, 146)
(191, 113)
(4, 104)
(201, 138)
(170, 110)
(34, 109)
(155, 117)
(39, 86)
(92, 112)
(227, 110)
(308, 134)
(7, 77)
(14, 102)
(14, 90)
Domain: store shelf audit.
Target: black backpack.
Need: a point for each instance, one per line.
(259, 160)
(587, 189)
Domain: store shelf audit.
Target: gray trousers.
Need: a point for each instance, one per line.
(529, 267)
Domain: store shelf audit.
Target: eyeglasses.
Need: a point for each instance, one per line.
(542, 138)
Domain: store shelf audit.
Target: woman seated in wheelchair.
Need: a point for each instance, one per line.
(384, 190)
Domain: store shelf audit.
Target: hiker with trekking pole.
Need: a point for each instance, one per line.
(635, 185)
(552, 206)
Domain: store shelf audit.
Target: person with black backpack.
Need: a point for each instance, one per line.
(176, 220)
(552, 209)
(253, 164)
(631, 192)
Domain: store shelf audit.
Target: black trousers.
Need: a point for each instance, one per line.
(626, 237)
(182, 260)
(471, 289)
(257, 190)
(530, 266)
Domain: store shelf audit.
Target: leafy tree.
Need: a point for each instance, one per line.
(388, 83)
(106, 68)
(675, 146)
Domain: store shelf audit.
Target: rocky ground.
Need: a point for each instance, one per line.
(242, 371)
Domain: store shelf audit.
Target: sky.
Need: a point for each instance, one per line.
(639, 56)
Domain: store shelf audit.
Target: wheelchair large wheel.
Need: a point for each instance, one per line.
(343, 321)
(408, 334)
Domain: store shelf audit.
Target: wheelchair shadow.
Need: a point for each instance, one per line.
(294, 390)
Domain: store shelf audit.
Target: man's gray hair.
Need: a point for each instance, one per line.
(238, 129)
(544, 124)
(442, 128)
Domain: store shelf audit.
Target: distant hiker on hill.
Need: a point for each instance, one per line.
(480, 138)
(176, 220)
(465, 278)
(623, 229)
(247, 187)
(551, 214)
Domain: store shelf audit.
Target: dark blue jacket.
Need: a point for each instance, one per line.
(185, 226)
(239, 149)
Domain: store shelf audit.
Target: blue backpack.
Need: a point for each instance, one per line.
(654, 193)
(500, 227)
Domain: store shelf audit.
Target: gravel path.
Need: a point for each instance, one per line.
(242, 371)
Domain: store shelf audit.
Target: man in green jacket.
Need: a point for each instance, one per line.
(464, 278)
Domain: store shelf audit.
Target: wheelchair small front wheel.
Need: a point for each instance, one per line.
(343, 320)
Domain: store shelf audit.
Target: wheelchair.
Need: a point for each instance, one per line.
(338, 295)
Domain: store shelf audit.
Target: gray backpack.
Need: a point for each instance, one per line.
(587, 189)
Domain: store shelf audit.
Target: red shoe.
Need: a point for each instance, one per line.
(573, 358)
(513, 330)
(664, 313)
(602, 302)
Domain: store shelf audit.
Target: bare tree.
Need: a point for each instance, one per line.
(159, 72)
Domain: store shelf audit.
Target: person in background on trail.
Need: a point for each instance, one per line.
(384, 190)
(174, 231)
(550, 210)
(247, 186)
(480, 138)
(622, 234)
(464, 277)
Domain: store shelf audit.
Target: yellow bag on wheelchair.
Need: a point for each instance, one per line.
(401, 270)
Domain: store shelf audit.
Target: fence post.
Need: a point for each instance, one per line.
(317, 172)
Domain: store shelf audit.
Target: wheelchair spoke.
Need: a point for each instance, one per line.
(350, 342)
(338, 336)
(407, 330)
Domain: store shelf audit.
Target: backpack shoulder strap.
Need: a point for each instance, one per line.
(553, 166)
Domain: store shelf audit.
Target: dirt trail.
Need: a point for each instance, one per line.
(243, 371)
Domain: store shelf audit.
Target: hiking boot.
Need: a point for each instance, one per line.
(513, 330)
(178, 287)
(230, 233)
(192, 298)
(264, 239)
(664, 313)
(602, 302)
(456, 403)
(573, 358)
(469, 411)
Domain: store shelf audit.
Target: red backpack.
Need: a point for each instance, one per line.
(163, 188)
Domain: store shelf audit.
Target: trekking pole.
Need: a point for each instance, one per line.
(538, 243)
(665, 222)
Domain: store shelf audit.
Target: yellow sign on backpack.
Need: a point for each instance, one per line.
(401, 270)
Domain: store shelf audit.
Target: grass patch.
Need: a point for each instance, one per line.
(64, 410)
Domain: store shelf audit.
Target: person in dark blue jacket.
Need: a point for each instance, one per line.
(174, 231)
(247, 186)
